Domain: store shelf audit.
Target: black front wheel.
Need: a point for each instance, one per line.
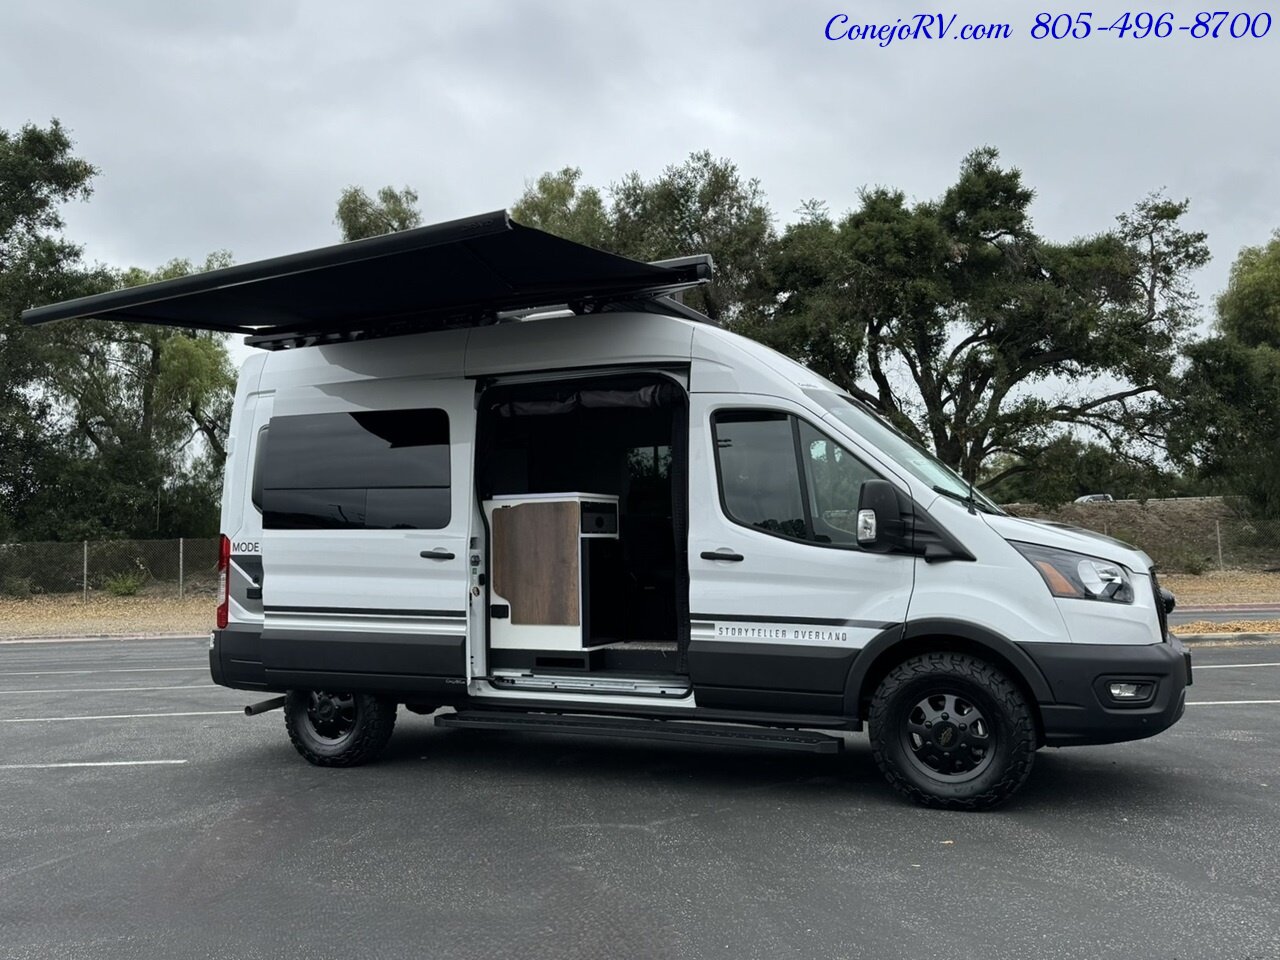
(335, 729)
(949, 730)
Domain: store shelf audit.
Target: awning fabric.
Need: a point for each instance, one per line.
(445, 275)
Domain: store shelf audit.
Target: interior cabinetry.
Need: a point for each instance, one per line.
(555, 563)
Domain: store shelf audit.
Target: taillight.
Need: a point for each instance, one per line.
(224, 581)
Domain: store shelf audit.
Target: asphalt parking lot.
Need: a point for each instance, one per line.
(144, 816)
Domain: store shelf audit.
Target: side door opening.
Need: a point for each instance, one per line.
(583, 483)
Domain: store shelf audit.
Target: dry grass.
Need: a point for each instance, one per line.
(60, 615)
(1229, 626)
(1226, 586)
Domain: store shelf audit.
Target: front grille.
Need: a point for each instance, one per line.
(1161, 615)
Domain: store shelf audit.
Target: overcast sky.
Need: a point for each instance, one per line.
(235, 124)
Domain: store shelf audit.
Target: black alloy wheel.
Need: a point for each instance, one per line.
(948, 738)
(338, 729)
(950, 730)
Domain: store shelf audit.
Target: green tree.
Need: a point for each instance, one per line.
(703, 205)
(360, 216)
(148, 409)
(973, 333)
(557, 203)
(1228, 415)
(38, 173)
(1067, 467)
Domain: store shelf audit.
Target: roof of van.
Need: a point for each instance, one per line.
(460, 273)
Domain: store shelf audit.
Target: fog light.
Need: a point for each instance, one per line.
(1129, 691)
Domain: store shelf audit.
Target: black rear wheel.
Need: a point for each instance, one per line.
(337, 729)
(949, 730)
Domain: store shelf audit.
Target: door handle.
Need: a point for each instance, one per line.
(436, 555)
(722, 554)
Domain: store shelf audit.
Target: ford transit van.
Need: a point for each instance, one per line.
(485, 473)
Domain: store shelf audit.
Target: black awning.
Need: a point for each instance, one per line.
(449, 274)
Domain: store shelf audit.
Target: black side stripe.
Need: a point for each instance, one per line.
(457, 614)
(817, 621)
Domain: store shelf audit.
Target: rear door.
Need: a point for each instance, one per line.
(781, 597)
(366, 525)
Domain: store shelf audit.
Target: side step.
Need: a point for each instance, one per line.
(679, 731)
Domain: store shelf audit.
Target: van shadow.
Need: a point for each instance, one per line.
(1062, 781)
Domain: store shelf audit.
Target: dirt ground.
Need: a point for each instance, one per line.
(1227, 626)
(62, 615)
(1226, 586)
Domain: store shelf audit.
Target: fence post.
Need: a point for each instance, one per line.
(1217, 527)
(84, 572)
(180, 567)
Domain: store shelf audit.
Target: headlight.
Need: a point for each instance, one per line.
(1068, 574)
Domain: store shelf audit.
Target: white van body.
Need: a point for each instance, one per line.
(793, 633)
(773, 559)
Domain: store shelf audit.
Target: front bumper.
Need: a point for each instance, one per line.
(1079, 674)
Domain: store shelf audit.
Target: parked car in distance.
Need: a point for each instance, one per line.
(1096, 498)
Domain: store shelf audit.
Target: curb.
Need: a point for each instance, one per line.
(5, 641)
(1198, 639)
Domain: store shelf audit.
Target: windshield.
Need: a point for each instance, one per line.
(896, 446)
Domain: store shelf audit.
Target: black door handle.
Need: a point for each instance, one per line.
(436, 555)
(721, 555)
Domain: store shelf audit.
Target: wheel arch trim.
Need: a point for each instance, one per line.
(904, 640)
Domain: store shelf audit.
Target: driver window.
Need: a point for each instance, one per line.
(782, 476)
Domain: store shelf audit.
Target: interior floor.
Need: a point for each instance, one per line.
(615, 437)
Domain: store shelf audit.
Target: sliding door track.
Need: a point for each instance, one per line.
(675, 687)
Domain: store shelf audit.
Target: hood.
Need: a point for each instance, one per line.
(1050, 533)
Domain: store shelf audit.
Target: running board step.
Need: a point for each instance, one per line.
(679, 731)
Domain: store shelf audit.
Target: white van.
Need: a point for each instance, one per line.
(481, 468)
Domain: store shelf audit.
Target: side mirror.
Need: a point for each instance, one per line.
(879, 527)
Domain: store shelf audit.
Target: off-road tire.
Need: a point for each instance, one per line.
(374, 721)
(1003, 706)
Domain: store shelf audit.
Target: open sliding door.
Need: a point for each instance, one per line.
(366, 530)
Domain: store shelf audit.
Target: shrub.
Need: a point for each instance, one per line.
(125, 584)
(19, 587)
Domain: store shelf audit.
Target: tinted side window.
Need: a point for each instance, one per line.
(783, 476)
(255, 485)
(386, 469)
(759, 477)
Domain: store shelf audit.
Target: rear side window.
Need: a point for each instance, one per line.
(256, 485)
(783, 476)
(374, 470)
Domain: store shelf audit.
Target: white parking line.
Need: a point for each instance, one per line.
(122, 716)
(196, 665)
(191, 686)
(96, 763)
(1224, 703)
(1230, 666)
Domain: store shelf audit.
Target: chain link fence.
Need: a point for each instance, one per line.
(119, 568)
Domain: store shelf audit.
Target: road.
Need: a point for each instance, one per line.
(209, 837)
(1222, 613)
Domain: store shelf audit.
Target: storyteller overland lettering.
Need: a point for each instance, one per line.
(779, 631)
